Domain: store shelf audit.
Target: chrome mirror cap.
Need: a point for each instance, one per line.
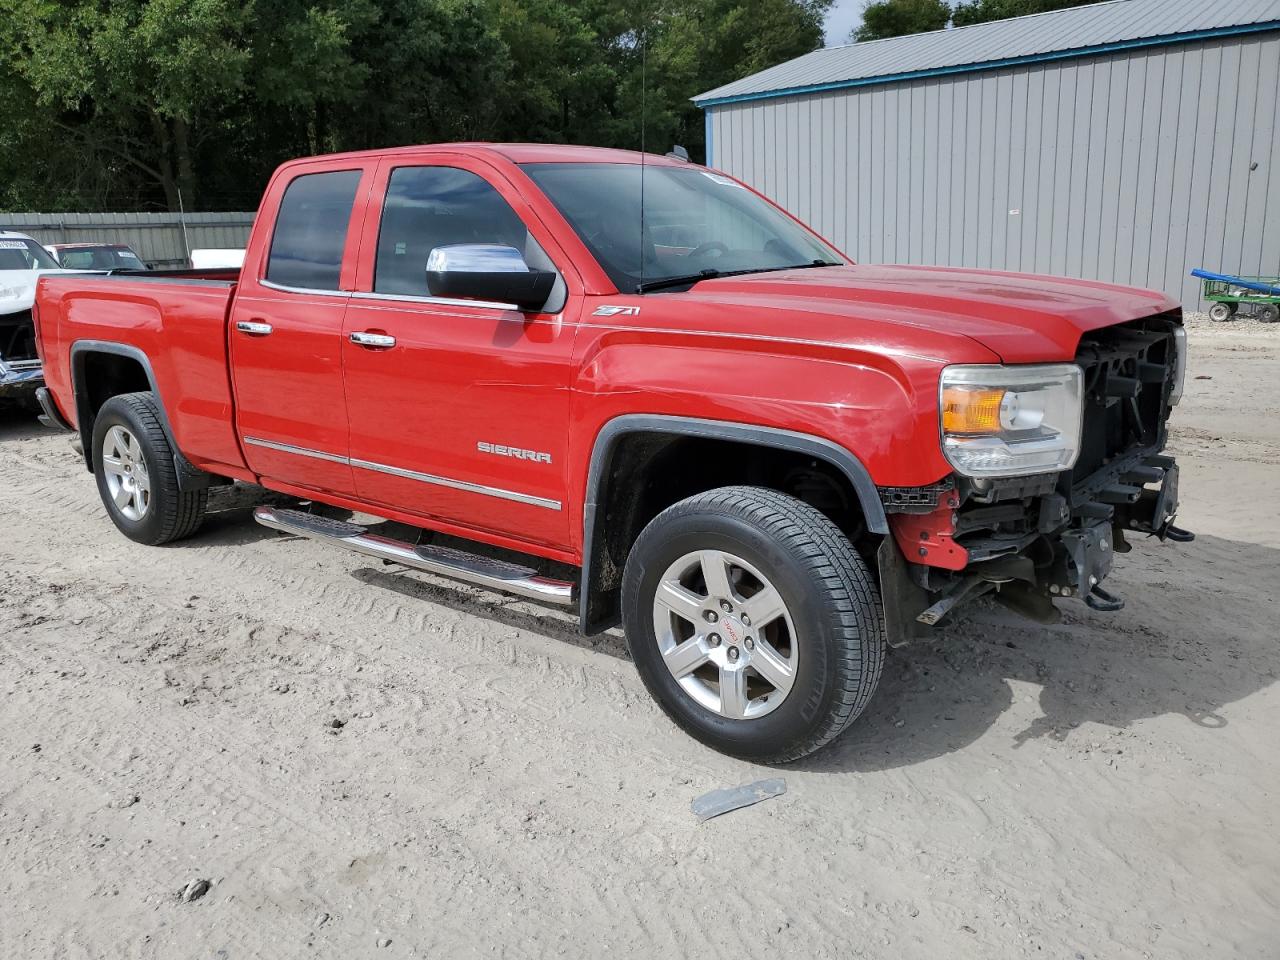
(476, 258)
(489, 272)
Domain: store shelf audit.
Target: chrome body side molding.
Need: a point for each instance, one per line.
(487, 491)
(297, 451)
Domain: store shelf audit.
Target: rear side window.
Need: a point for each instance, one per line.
(311, 230)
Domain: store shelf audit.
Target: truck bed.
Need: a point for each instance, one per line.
(216, 274)
(173, 324)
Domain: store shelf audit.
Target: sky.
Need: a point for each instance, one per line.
(843, 17)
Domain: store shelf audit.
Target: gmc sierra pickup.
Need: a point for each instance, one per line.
(766, 461)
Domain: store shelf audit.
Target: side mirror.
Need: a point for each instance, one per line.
(482, 271)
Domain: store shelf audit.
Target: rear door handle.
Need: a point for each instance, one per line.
(373, 340)
(253, 327)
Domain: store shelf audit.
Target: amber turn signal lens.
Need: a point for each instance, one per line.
(967, 411)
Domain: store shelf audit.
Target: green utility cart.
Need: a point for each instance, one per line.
(1227, 294)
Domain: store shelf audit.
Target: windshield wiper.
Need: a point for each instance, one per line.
(710, 274)
(706, 274)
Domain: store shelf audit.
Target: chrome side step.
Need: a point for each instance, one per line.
(445, 561)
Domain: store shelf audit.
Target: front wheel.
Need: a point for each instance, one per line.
(133, 464)
(753, 622)
(1221, 312)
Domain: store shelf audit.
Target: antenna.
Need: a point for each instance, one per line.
(644, 52)
(182, 219)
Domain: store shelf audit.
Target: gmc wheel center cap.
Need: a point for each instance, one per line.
(734, 631)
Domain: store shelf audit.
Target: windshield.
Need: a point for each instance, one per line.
(695, 223)
(18, 253)
(100, 258)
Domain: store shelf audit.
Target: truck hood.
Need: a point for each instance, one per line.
(1022, 318)
(18, 288)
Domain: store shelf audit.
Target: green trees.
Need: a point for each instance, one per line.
(895, 18)
(982, 11)
(134, 104)
(123, 85)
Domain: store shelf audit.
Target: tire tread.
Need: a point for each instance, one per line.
(181, 511)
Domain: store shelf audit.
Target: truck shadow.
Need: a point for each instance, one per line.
(1197, 635)
(1183, 645)
(552, 623)
(18, 423)
(229, 522)
(228, 519)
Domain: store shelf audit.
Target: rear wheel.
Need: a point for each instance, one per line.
(1268, 313)
(133, 464)
(1222, 311)
(753, 622)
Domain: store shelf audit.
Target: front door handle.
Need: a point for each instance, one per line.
(380, 340)
(253, 327)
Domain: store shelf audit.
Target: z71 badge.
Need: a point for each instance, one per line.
(519, 453)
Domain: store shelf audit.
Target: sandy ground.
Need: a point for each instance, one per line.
(1105, 788)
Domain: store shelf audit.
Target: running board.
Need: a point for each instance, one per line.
(444, 561)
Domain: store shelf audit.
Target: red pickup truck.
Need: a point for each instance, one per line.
(766, 461)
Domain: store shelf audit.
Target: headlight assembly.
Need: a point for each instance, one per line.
(1006, 421)
(1179, 365)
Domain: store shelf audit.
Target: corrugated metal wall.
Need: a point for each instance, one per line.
(1132, 168)
(156, 237)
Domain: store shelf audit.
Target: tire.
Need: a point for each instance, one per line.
(829, 636)
(1221, 312)
(1268, 313)
(151, 510)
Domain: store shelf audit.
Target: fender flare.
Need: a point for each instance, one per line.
(190, 477)
(606, 443)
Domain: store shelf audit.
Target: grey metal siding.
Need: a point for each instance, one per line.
(1059, 33)
(1131, 167)
(157, 238)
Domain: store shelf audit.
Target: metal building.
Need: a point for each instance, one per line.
(161, 239)
(1127, 141)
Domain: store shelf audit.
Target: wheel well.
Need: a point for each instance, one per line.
(106, 375)
(102, 371)
(99, 376)
(649, 471)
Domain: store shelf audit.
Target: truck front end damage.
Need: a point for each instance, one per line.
(1051, 532)
(20, 369)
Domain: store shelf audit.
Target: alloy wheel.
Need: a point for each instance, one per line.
(725, 634)
(128, 480)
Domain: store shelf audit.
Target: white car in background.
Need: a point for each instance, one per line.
(22, 261)
(217, 259)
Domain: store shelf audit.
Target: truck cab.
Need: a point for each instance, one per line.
(764, 460)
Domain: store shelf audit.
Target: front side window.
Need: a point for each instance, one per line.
(311, 230)
(429, 207)
(696, 223)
